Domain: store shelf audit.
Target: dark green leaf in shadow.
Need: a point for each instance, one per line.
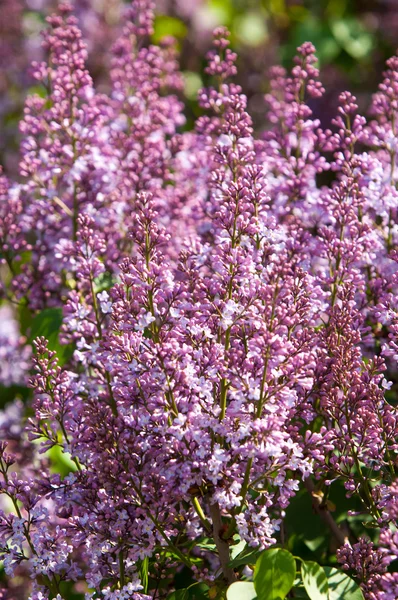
(48, 324)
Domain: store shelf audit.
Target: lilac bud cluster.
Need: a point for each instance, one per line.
(232, 323)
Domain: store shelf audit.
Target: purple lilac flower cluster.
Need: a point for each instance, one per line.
(232, 321)
(100, 21)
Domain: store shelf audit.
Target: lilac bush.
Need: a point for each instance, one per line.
(209, 326)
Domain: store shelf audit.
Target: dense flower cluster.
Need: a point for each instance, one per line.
(228, 321)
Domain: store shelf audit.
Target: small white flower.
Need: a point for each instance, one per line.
(225, 141)
(386, 385)
(229, 311)
(144, 320)
(105, 302)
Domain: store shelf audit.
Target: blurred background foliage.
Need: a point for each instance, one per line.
(353, 40)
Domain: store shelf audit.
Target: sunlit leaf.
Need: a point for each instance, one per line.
(314, 580)
(241, 590)
(274, 574)
(341, 586)
(165, 26)
(196, 591)
(247, 556)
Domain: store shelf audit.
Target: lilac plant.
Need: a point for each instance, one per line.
(209, 332)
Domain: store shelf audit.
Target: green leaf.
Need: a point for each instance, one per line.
(8, 394)
(165, 26)
(316, 30)
(314, 580)
(341, 586)
(24, 318)
(179, 595)
(67, 590)
(48, 324)
(196, 591)
(241, 590)
(300, 592)
(103, 282)
(192, 84)
(274, 574)
(144, 566)
(247, 556)
(60, 461)
(24, 258)
(352, 36)
(220, 11)
(316, 543)
(238, 548)
(207, 544)
(308, 528)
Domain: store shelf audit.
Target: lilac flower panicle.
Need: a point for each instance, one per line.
(220, 329)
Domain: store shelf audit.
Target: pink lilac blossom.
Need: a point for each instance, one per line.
(232, 323)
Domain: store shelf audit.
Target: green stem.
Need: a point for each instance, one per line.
(199, 511)
(121, 569)
(75, 460)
